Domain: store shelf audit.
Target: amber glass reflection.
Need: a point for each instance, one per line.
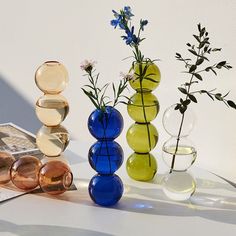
(24, 172)
(51, 77)
(6, 160)
(52, 141)
(55, 177)
(51, 110)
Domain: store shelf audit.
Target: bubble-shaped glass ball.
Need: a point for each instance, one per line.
(179, 186)
(51, 77)
(55, 177)
(106, 124)
(172, 119)
(151, 76)
(185, 154)
(105, 157)
(52, 141)
(141, 167)
(106, 190)
(142, 138)
(24, 172)
(136, 106)
(51, 110)
(6, 160)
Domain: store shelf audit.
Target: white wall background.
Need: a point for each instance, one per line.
(72, 30)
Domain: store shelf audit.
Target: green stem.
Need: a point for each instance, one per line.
(181, 124)
(104, 133)
(144, 111)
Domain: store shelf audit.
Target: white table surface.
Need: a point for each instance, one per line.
(143, 209)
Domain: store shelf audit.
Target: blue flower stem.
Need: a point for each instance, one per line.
(144, 111)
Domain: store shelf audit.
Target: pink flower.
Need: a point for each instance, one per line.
(128, 76)
(87, 65)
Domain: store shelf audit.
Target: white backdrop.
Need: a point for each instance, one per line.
(73, 30)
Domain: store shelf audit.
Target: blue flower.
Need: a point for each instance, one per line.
(127, 12)
(130, 37)
(142, 24)
(117, 21)
(116, 14)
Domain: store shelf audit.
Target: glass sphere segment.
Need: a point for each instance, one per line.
(106, 124)
(24, 172)
(106, 190)
(6, 160)
(150, 75)
(55, 177)
(51, 110)
(52, 141)
(105, 157)
(141, 167)
(137, 106)
(179, 186)
(185, 154)
(172, 120)
(51, 77)
(142, 138)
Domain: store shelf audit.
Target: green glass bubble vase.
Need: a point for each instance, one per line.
(142, 136)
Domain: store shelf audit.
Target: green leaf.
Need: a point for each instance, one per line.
(150, 79)
(213, 71)
(199, 61)
(198, 76)
(199, 27)
(192, 68)
(218, 96)
(197, 38)
(192, 51)
(192, 98)
(182, 90)
(177, 55)
(182, 109)
(216, 49)
(203, 30)
(210, 96)
(177, 107)
(226, 94)
(201, 45)
(222, 63)
(231, 104)
(187, 102)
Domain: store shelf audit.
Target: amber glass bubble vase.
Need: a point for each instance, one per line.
(143, 108)
(55, 176)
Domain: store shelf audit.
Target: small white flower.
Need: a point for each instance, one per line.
(128, 76)
(87, 65)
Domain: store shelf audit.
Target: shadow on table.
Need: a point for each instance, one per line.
(16, 109)
(39, 230)
(208, 206)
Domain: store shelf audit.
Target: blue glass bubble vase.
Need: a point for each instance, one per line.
(105, 156)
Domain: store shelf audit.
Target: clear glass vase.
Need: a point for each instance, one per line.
(179, 154)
